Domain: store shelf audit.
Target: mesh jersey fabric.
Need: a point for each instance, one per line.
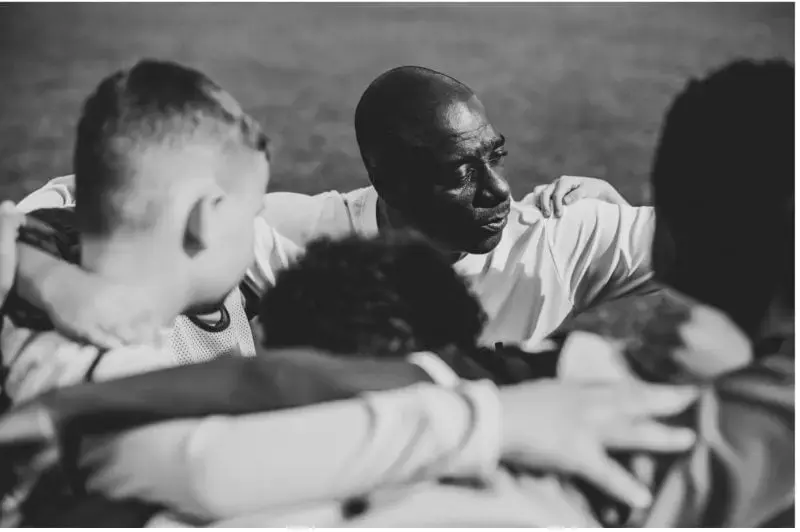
(190, 343)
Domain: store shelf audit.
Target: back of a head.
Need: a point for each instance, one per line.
(400, 108)
(723, 182)
(153, 107)
(386, 296)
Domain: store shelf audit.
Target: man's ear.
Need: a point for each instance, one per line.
(392, 184)
(197, 233)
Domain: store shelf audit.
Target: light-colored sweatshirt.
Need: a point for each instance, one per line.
(224, 467)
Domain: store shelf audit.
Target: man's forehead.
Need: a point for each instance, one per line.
(466, 128)
(463, 118)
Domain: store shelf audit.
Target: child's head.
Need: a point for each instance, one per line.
(385, 296)
(167, 161)
(723, 182)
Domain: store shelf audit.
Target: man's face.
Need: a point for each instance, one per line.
(458, 195)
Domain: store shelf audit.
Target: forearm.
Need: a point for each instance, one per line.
(271, 381)
(226, 466)
(40, 274)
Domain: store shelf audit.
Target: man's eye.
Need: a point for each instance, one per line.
(498, 156)
(466, 172)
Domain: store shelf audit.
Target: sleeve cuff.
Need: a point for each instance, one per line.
(482, 452)
(435, 367)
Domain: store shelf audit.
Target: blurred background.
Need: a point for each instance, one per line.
(577, 89)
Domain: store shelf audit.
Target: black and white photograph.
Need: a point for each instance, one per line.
(397, 265)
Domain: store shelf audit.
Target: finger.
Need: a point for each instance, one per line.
(536, 197)
(644, 468)
(655, 400)
(9, 224)
(609, 476)
(574, 194)
(649, 436)
(546, 199)
(562, 186)
(611, 517)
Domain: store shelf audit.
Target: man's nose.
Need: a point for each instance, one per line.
(495, 186)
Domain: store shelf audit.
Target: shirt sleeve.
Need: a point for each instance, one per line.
(272, 253)
(58, 192)
(221, 467)
(602, 251)
(295, 216)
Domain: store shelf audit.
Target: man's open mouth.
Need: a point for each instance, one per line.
(496, 223)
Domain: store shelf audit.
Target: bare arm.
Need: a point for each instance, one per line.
(39, 274)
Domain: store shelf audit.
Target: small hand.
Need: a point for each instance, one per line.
(567, 189)
(571, 428)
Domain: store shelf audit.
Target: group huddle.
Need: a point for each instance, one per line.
(181, 348)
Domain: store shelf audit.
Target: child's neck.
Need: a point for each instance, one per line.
(134, 266)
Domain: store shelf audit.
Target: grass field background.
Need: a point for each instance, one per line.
(577, 89)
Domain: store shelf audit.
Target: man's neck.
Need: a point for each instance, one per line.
(390, 219)
(133, 265)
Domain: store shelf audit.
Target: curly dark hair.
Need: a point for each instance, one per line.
(385, 296)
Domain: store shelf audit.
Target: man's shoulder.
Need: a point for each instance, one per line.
(586, 211)
(590, 210)
(591, 220)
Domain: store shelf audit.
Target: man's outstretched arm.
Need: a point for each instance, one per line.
(326, 452)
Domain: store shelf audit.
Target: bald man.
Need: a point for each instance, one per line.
(435, 162)
(436, 165)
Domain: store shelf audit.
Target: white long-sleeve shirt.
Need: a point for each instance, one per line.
(222, 467)
(542, 270)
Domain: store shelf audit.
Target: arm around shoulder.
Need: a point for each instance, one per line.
(222, 467)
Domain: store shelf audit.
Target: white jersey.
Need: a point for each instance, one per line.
(194, 341)
(542, 270)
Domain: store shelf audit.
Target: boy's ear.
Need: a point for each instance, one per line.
(197, 233)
